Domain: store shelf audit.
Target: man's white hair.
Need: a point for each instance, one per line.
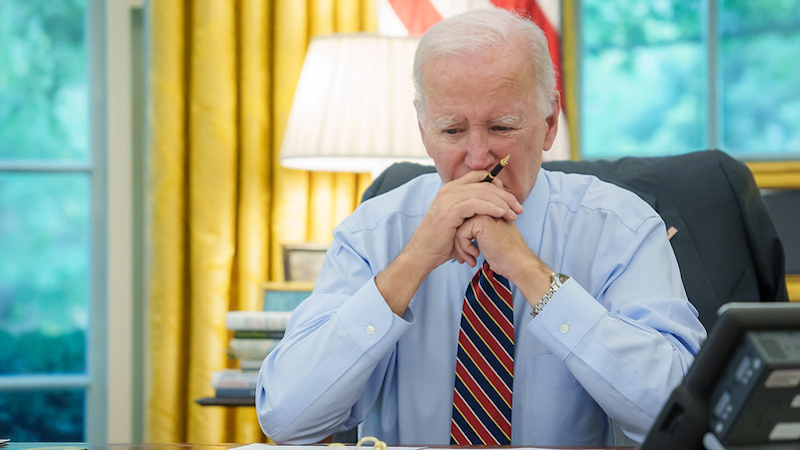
(482, 33)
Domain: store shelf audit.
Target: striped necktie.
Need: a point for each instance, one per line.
(484, 363)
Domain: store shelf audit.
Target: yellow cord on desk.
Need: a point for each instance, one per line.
(377, 444)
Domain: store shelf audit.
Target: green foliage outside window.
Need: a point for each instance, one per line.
(45, 215)
(759, 69)
(645, 88)
(43, 80)
(42, 416)
(44, 268)
(60, 353)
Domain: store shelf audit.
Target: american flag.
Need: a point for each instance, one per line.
(414, 17)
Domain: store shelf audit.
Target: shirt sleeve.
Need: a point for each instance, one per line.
(327, 371)
(631, 342)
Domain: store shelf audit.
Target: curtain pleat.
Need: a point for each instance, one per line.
(255, 170)
(569, 56)
(167, 191)
(213, 161)
(221, 79)
(290, 188)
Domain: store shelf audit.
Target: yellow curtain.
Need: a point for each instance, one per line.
(221, 78)
(569, 65)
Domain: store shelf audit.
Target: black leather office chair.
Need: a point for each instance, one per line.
(726, 245)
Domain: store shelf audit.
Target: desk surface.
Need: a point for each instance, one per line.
(85, 446)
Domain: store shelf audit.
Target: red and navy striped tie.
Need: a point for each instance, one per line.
(484, 363)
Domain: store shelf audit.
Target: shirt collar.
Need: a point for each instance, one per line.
(531, 222)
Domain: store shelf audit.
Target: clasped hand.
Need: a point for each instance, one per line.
(463, 212)
(467, 210)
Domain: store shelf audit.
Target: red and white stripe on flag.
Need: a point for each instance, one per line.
(414, 17)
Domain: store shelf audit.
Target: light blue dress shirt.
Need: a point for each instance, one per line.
(611, 344)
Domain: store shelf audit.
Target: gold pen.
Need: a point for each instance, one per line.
(503, 162)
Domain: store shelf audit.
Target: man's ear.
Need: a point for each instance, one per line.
(419, 118)
(552, 122)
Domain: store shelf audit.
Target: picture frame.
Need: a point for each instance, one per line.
(303, 261)
(285, 295)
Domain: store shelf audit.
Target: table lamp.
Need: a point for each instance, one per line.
(353, 109)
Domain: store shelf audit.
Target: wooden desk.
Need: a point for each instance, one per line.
(82, 446)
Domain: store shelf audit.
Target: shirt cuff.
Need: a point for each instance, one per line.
(371, 323)
(568, 317)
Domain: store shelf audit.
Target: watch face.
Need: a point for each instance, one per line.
(563, 278)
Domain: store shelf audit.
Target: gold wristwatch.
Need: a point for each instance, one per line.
(556, 281)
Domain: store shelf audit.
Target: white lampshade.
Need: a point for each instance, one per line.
(353, 110)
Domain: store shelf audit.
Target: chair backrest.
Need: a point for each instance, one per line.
(726, 244)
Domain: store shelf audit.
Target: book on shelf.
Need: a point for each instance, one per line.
(237, 383)
(251, 348)
(257, 320)
(258, 334)
(235, 392)
(251, 364)
(285, 295)
(234, 379)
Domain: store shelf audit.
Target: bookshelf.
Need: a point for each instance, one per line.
(280, 298)
(226, 401)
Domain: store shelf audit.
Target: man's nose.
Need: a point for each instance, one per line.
(478, 155)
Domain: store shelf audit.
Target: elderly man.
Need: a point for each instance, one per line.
(577, 277)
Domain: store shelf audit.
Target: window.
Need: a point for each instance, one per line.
(49, 229)
(672, 76)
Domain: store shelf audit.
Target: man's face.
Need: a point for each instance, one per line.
(476, 111)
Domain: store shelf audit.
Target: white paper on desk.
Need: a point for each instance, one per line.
(313, 447)
(352, 447)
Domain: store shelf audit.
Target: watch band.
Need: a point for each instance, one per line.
(556, 281)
